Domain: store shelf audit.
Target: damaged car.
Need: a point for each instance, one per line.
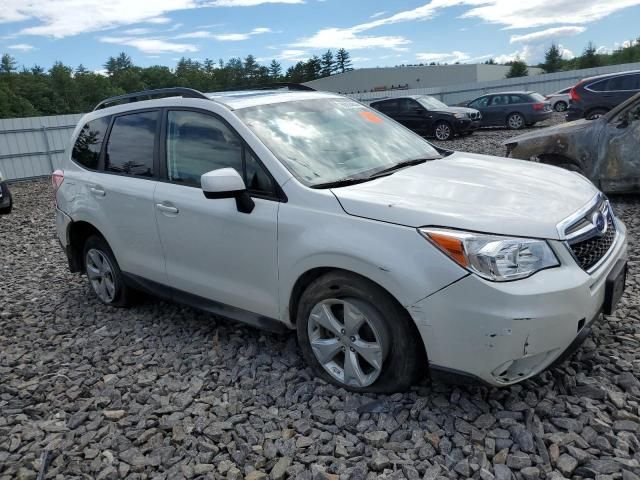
(605, 150)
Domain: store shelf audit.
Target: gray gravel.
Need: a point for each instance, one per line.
(164, 391)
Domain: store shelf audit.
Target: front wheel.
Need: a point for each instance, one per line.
(443, 131)
(355, 335)
(515, 121)
(103, 272)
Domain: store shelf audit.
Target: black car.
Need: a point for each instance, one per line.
(6, 202)
(593, 97)
(430, 117)
(514, 110)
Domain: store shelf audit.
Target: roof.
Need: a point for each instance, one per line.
(607, 75)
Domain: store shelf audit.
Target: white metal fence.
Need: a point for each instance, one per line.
(33, 147)
(544, 84)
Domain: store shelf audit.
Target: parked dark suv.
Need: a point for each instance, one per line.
(593, 97)
(430, 117)
(514, 110)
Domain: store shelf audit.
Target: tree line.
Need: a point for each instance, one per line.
(63, 89)
(590, 58)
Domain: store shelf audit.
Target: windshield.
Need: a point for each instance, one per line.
(431, 103)
(332, 139)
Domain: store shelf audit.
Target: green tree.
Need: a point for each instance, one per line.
(312, 68)
(518, 69)
(328, 64)
(7, 64)
(275, 70)
(589, 57)
(343, 61)
(552, 59)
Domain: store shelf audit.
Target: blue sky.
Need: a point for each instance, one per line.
(375, 32)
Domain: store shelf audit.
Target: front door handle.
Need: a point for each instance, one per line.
(167, 208)
(97, 191)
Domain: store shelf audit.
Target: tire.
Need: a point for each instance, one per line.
(515, 121)
(595, 113)
(443, 131)
(560, 106)
(6, 210)
(385, 329)
(104, 275)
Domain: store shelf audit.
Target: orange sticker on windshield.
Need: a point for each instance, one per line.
(370, 117)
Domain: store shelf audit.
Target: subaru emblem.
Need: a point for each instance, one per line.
(599, 222)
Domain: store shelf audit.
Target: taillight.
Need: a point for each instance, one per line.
(57, 178)
(538, 106)
(573, 94)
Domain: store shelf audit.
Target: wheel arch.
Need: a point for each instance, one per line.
(78, 234)
(308, 277)
(556, 160)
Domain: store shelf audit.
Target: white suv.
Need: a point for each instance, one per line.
(310, 211)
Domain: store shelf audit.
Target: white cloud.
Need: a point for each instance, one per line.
(548, 34)
(137, 31)
(23, 47)
(226, 37)
(452, 57)
(151, 45)
(349, 39)
(64, 18)
(378, 14)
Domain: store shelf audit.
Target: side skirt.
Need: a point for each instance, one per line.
(220, 309)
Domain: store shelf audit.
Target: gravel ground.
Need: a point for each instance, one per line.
(163, 391)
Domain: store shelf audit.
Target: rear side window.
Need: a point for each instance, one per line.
(624, 82)
(131, 144)
(86, 150)
(601, 86)
(517, 99)
(536, 97)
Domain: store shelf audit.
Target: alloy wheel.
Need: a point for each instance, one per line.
(101, 276)
(516, 121)
(443, 131)
(346, 342)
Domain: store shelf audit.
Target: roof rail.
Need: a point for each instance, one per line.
(272, 86)
(149, 94)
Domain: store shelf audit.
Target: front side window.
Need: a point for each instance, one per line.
(198, 143)
(130, 148)
(329, 139)
(624, 82)
(390, 106)
(86, 150)
(480, 102)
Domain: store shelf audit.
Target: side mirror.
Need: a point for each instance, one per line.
(227, 183)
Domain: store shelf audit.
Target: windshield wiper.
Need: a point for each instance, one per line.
(398, 166)
(341, 183)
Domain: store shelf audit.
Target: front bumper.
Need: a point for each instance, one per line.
(465, 125)
(502, 333)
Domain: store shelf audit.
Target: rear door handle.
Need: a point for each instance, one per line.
(167, 208)
(97, 191)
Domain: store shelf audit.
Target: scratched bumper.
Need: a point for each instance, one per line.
(502, 333)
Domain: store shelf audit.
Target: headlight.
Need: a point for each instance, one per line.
(460, 115)
(493, 257)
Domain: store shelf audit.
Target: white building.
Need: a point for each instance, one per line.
(393, 78)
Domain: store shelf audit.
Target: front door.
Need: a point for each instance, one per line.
(211, 249)
(413, 116)
(618, 152)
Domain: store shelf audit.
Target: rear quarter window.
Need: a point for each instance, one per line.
(86, 149)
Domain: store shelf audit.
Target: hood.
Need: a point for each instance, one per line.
(456, 110)
(562, 129)
(472, 192)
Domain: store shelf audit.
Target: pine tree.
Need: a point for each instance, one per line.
(328, 64)
(312, 69)
(7, 64)
(552, 59)
(343, 61)
(250, 69)
(589, 57)
(275, 71)
(518, 69)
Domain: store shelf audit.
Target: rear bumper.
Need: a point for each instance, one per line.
(574, 113)
(540, 116)
(503, 333)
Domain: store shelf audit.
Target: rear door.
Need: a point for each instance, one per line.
(119, 194)
(212, 250)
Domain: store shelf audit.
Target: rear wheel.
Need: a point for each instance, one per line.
(515, 121)
(442, 131)
(356, 336)
(595, 113)
(560, 106)
(103, 272)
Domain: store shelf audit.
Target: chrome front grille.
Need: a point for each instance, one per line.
(590, 233)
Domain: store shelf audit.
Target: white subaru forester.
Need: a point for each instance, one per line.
(310, 211)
